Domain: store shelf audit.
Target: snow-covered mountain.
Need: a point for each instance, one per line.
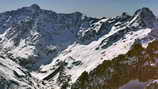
(54, 50)
(135, 70)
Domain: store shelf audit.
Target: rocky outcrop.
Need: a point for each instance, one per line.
(143, 17)
(102, 27)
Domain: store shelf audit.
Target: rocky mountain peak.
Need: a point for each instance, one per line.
(125, 14)
(144, 17)
(35, 6)
(144, 12)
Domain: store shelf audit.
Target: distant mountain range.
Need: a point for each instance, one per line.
(42, 49)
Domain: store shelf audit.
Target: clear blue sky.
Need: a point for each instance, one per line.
(99, 8)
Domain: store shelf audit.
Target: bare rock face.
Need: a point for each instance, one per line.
(144, 17)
